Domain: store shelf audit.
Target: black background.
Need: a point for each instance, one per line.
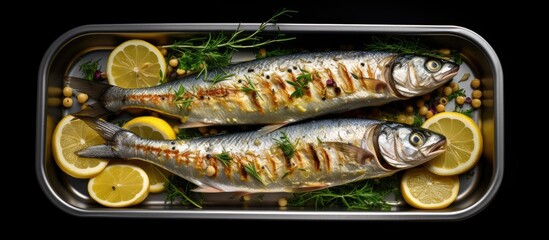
(493, 25)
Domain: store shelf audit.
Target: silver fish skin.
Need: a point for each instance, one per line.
(327, 153)
(260, 92)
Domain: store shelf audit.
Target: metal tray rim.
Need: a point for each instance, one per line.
(495, 181)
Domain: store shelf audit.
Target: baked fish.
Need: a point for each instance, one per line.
(296, 158)
(279, 90)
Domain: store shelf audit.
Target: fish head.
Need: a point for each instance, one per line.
(404, 146)
(417, 75)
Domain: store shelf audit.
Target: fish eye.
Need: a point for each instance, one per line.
(433, 65)
(416, 139)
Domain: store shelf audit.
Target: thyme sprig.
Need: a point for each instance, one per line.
(224, 158)
(252, 171)
(199, 54)
(459, 92)
(181, 100)
(219, 77)
(250, 87)
(287, 147)
(301, 83)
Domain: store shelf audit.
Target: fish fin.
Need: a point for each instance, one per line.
(105, 129)
(271, 128)
(309, 187)
(194, 125)
(206, 189)
(95, 90)
(92, 88)
(93, 110)
(97, 151)
(359, 154)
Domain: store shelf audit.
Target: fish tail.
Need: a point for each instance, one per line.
(107, 131)
(95, 90)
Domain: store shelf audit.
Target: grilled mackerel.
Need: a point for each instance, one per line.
(296, 158)
(279, 90)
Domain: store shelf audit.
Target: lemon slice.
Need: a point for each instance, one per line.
(157, 129)
(71, 135)
(119, 185)
(464, 143)
(425, 190)
(136, 64)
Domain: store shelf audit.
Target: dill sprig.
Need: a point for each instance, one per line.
(89, 68)
(301, 83)
(179, 188)
(252, 171)
(219, 77)
(182, 102)
(185, 133)
(286, 145)
(410, 46)
(199, 54)
(466, 112)
(224, 158)
(363, 195)
(278, 52)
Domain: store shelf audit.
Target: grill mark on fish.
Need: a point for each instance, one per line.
(348, 80)
(370, 71)
(241, 170)
(269, 94)
(281, 84)
(299, 160)
(317, 83)
(327, 159)
(314, 155)
(215, 92)
(272, 164)
(155, 98)
(214, 163)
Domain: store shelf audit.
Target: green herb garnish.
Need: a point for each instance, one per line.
(219, 77)
(301, 83)
(279, 52)
(466, 112)
(202, 53)
(410, 46)
(224, 158)
(418, 120)
(89, 68)
(182, 102)
(286, 145)
(250, 87)
(185, 133)
(179, 188)
(250, 169)
(459, 92)
(364, 195)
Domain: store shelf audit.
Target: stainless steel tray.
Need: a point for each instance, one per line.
(478, 187)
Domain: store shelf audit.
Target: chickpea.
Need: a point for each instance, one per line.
(441, 108)
(210, 171)
(475, 83)
(409, 109)
(423, 110)
(447, 91)
(181, 71)
(174, 62)
(443, 100)
(262, 53)
(477, 94)
(454, 86)
(282, 202)
(203, 130)
(401, 118)
(460, 100)
(429, 114)
(409, 119)
(164, 51)
(67, 102)
(67, 91)
(82, 98)
(476, 103)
